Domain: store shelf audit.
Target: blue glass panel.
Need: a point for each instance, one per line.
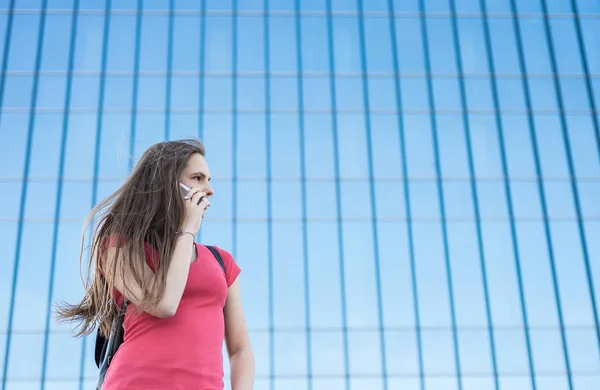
(511, 351)
(586, 382)
(328, 354)
(186, 43)
(359, 274)
(543, 95)
(84, 92)
(583, 350)
(419, 146)
(251, 94)
(288, 279)
(478, 93)
(318, 144)
(218, 44)
(473, 50)
(315, 50)
(55, 55)
(88, 45)
(8, 240)
(535, 47)
(467, 5)
(25, 359)
(325, 291)
(285, 147)
(547, 350)
(566, 48)
(217, 138)
(249, 5)
(317, 96)
(502, 279)
(446, 95)
(584, 146)
(379, 54)
(386, 141)
(346, 45)
(410, 45)
(274, 5)
(313, 5)
(437, 6)
(352, 147)
(184, 95)
(504, 45)
(588, 193)
(458, 200)
(575, 298)
(252, 257)
(284, 95)
(590, 29)
(475, 353)
(51, 92)
(364, 354)
(217, 94)
(510, 95)
(343, 5)
(537, 276)
(24, 37)
(401, 349)
(282, 44)
(432, 282)
(382, 94)
(525, 7)
(438, 354)
(250, 38)
(414, 96)
(121, 42)
(80, 147)
(397, 290)
(515, 383)
(551, 146)
(406, 5)
(219, 5)
(251, 151)
(441, 48)
(559, 6)
(469, 300)
(519, 152)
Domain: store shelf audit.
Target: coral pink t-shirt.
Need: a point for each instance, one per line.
(184, 351)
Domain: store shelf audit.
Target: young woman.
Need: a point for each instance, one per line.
(181, 305)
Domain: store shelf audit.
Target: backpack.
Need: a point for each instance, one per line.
(106, 348)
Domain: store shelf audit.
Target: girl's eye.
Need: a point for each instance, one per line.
(197, 178)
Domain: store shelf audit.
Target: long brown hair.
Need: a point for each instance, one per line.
(146, 210)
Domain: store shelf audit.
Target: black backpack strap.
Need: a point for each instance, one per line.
(217, 256)
(100, 349)
(102, 342)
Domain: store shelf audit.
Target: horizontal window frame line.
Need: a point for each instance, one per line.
(275, 179)
(359, 329)
(377, 219)
(436, 375)
(274, 111)
(292, 74)
(293, 13)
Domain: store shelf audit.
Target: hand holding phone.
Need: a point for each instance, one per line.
(195, 208)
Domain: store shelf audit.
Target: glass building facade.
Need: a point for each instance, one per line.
(410, 187)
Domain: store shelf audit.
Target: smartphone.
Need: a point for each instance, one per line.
(185, 189)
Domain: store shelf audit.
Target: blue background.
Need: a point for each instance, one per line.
(410, 187)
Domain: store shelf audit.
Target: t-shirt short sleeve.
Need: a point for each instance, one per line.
(111, 241)
(232, 270)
